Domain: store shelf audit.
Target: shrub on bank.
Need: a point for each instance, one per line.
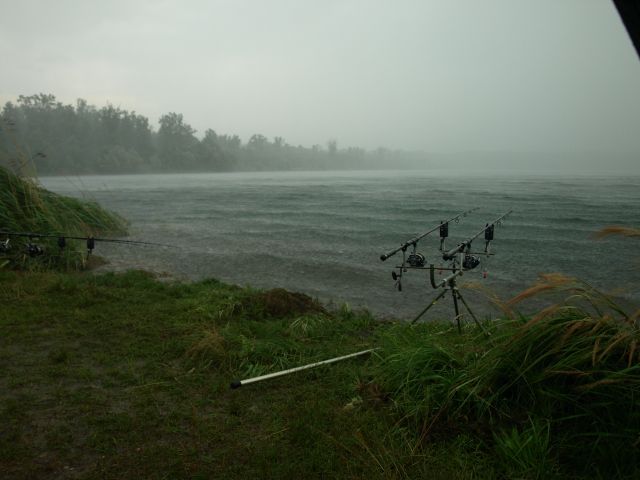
(27, 207)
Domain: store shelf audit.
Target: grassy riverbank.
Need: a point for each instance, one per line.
(122, 376)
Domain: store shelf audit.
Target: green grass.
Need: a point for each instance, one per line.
(122, 376)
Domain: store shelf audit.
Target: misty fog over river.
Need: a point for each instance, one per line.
(322, 233)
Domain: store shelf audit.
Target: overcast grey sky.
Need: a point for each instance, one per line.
(436, 75)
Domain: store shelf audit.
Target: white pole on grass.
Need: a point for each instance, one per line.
(239, 383)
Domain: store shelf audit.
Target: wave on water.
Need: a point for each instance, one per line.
(323, 233)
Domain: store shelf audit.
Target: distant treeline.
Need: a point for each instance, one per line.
(84, 139)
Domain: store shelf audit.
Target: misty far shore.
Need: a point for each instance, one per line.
(82, 139)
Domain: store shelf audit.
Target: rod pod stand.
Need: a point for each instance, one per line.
(449, 284)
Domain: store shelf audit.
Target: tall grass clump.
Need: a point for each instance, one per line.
(556, 391)
(526, 452)
(420, 370)
(27, 207)
(577, 364)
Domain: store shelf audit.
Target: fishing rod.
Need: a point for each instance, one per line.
(461, 259)
(35, 250)
(444, 232)
(467, 261)
(71, 237)
(415, 259)
(465, 247)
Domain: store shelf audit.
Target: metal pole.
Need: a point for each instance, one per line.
(455, 306)
(239, 383)
(433, 302)
(450, 279)
(472, 315)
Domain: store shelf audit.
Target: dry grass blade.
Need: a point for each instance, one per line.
(492, 297)
(632, 351)
(615, 340)
(544, 313)
(604, 381)
(596, 349)
(573, 373)
(617, 230)
(547, 282)
(577, 325)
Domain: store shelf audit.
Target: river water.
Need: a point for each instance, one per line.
(322, 233)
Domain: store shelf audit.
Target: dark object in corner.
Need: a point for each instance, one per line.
(629, 11)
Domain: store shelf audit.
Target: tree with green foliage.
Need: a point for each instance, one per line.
(83, 139)
(177, 144)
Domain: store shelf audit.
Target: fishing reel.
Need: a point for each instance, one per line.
(31, 249)
(416, 260)
(470, 262)
(413, 260)
(34, 250)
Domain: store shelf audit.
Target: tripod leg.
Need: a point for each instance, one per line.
(454, 293)
(433, 302)
(472, 315)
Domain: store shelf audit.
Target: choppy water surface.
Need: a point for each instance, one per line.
(323, 233)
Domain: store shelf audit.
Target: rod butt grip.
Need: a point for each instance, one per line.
(236, 384)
